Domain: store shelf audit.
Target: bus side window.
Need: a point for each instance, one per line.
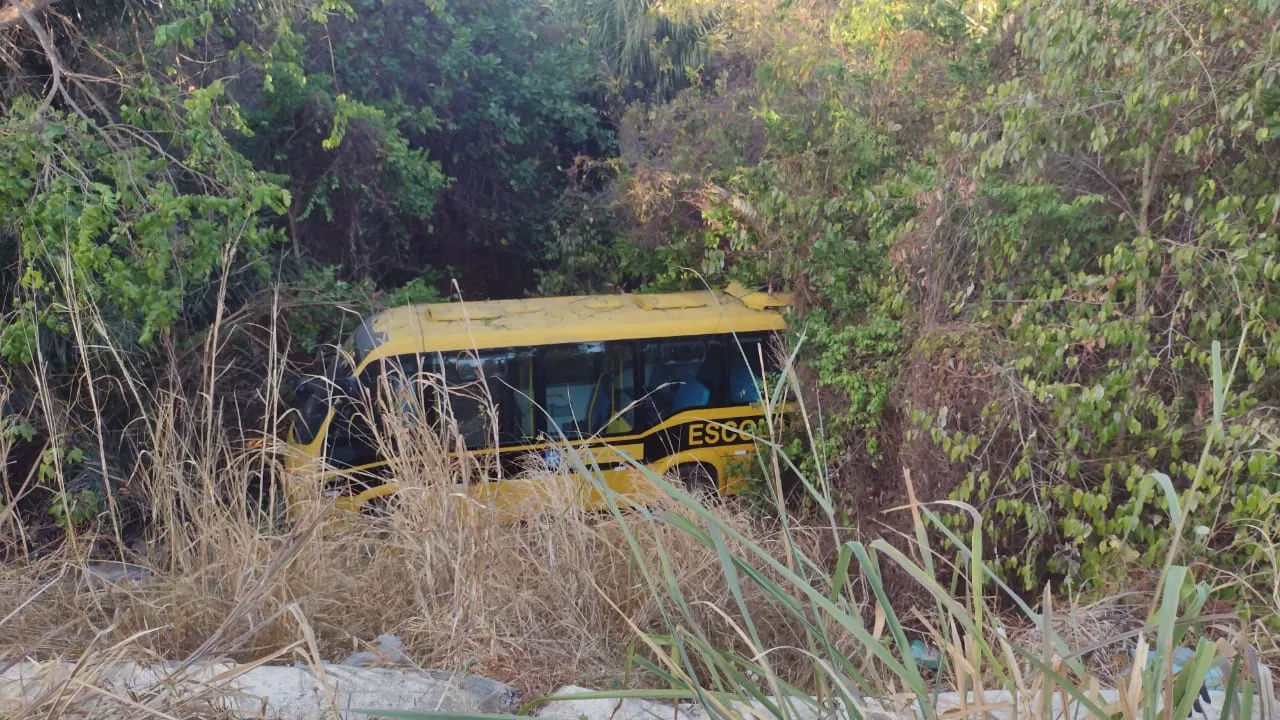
(490, 391)
(683, 374)
(745, 372)
(752, 369)
(590, 388)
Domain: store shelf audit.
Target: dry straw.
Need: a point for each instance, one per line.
(687, 598)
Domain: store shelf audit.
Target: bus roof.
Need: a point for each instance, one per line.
(490, 324)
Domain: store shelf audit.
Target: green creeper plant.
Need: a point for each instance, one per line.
(1121, 222)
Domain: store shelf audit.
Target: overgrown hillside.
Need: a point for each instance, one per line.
(196, 176)
(1016, 232)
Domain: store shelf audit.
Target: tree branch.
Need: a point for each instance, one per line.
(56, 71)
(12, 14)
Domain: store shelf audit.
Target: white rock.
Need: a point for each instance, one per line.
(997, 706)
(272, 692)
(101, 574)
(389, 651)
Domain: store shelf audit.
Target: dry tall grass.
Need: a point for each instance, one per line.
(753, 609)
(536, 604)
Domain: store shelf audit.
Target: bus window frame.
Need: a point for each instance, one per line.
(436, 359)
(442, 358)
(540, 385)
(767, 364)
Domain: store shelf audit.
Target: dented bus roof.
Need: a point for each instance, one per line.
(489, 324)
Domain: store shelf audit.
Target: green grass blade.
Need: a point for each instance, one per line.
(433, 715)
(653, 668)
(1170, 496)
(1246, 699)
(1229, 686)
(1168, 610)
(977, 571)
(872, 572)
(1190, 617)
(1192, 678)
(1161, 666)
(1219, 383)
(735, 587)
(842, 572)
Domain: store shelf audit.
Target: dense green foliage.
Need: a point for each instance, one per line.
(439, 130)
(393, 140)
(1118, 240)
(646, 49)
(130, 219)
(1015, 237)
(1014, 232)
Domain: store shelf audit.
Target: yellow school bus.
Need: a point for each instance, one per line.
(671, 381)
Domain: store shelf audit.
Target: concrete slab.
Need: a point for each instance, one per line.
(264, 692)
(951, 706)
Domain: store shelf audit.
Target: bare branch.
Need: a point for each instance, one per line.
(12, 14)
(56, 71)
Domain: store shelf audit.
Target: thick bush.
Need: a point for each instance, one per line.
(1015, 235)
(1120, 219)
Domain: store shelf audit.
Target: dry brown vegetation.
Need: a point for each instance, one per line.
(536, 604)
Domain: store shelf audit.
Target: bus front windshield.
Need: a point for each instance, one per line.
(315, 396)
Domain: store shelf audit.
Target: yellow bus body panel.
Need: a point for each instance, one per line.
(523, 497)
(490, 324)
(485, 325)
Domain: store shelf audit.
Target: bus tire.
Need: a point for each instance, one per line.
(699, 479)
